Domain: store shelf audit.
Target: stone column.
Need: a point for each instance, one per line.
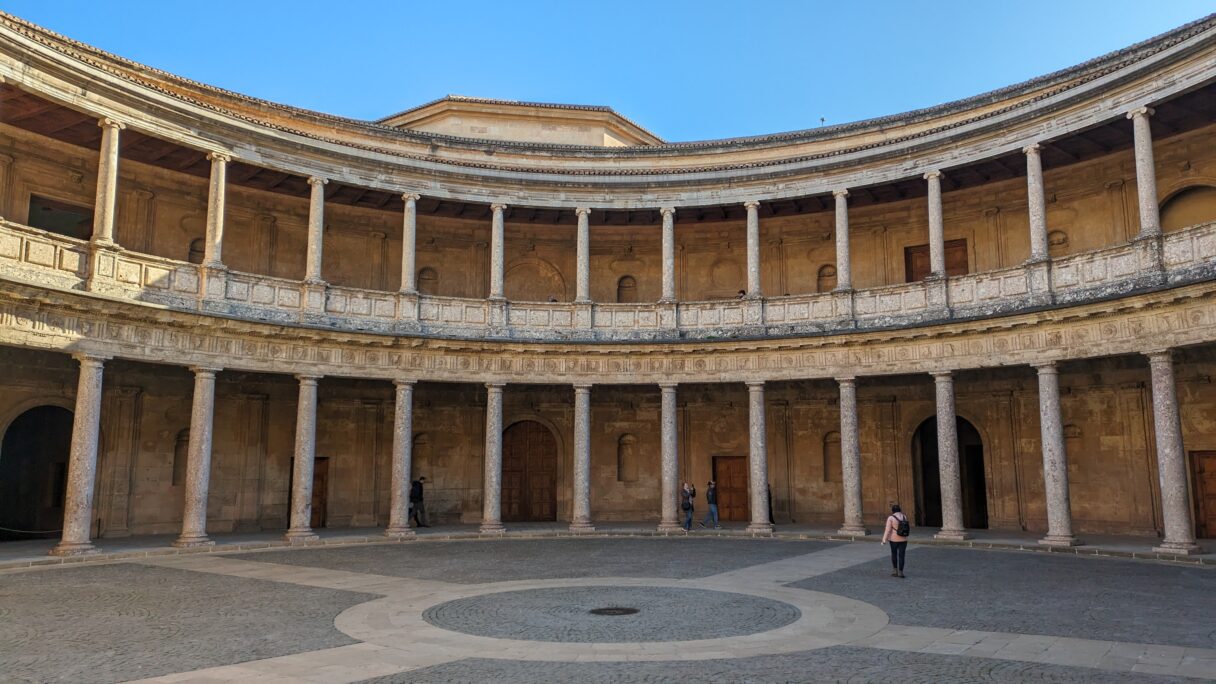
(305, 459)
(844, 266)
(316, 230)
(581, 521)
(1146, 173)
(409, 245)
(403, 455)
(757, 458)
(216, 191)
(669, 254)
(82, 460)
(496, 254)
(670, 466)
(1171, 459)
(491, 515)
(937, 237)
(850, 459)
(198, 460)
(1036, 203)
(947, 460)
(583, 275)
(1055, 460)
(753, 248)
(107, 183)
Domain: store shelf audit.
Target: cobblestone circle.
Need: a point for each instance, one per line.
(562, 614)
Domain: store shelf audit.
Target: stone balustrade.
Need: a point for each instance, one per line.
(34, 257)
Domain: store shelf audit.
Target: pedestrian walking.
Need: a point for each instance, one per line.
(711, 499)
(896, 531)
(417, 503)
(687, 494)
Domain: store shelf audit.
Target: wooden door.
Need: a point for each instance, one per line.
(917, 266)
(730, 472)
(320, 492)
(1204, 465)
(529, 473)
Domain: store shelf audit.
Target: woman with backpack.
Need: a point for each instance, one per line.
(897, 531)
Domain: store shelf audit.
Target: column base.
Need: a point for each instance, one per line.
(853, 531)
(73, 549)
(952, 535)
(400, 533)
(1178, 548)
(759, 528)
(300, 536)
(1060, 540)
(192, 542)
(492, 528)
(670, 527)
(581, 526)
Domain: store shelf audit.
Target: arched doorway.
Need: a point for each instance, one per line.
(34, 473)
(928, 480)
(529, 473)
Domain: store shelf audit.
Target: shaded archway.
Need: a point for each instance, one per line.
(529, 473)
(1189, 206)
(33, 473)
(928, 481)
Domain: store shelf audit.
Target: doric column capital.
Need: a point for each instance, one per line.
(492, 386)
(316, 180)
(942, 376)
(206, 370)
(840, 193)
(1141, 111)
(220, 157)
(582, 211)
(411, 197)
(668, 386)
(90, 359)
(847, 379)
(404, 382)
(1032, 148)
(582, 387)
(308, 379)
(667, 211)
(933, 174)
(498, 207)
(755, 385)
(751, 205)
(107, 122)
(1160, 355)
(1046, 368)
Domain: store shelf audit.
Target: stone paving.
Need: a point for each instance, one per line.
(715, 609)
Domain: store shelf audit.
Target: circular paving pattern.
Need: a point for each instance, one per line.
(563, 614)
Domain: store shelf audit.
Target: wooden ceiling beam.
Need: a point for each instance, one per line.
(29, 114)
(281, 176)
(1084, 137)
(245, 176)
(1055, 147)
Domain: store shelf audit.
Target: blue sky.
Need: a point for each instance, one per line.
(687, 70)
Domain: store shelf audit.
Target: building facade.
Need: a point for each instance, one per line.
(224, 314)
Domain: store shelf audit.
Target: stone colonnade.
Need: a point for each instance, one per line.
(82, 469)
(107, 192)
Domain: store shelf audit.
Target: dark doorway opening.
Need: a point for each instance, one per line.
(529, 473)
(320, 493)
(34, 473)
(730, 472)
(1204, 476)
(928, 477)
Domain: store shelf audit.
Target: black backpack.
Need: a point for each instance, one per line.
(902, 528)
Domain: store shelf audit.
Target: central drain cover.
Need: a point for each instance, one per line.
(615, 610)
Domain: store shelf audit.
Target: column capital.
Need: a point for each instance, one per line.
(317, 180)
(1160, 355)
(1046, 368)
(1032, 148)
(754, 385)
(495, 386)
(751, 205)
(88, 358)
(933, 174)
(582, 387)
(411, 197)
(840, 193)
(107, 122)
(667, 211)
(847, 379)
(582, 211)
(221, 157)
(498, 207)
(308, 379)
(1141, 111)
(404, 382)
(205, 370)
(942, 376)
(668, 386)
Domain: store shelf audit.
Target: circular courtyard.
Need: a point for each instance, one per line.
(608, 609)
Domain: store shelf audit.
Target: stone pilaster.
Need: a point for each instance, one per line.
(491, 516)
(850, 459)
(757, 460)
(403, 456)
(213, 256)
(583, 257)
(581, 520)
(409, 245)
(300, 529)
(497, 228)
(844, 263)
(1055, 460)
(753, 248)
(198, 460)
(1146, 173)
(669, 254)
(104, 210)
(1171, 459)
(937, 236)
(316, 230)
(947, 460)
(670, 465)
(82, 459)
(1036, 203)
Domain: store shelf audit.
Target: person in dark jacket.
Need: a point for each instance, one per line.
(417, 503)
(687, 494)
(711, 498)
